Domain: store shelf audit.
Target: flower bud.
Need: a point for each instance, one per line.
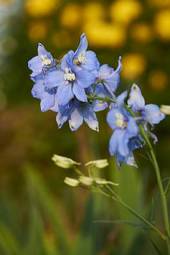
(88, 181)
(64, 162)
(71, 182)
(165, 109)
(101, 163)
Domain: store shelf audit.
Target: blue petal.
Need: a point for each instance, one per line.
(38, 89)
(105, 72)
(113, 144)
(135, 142)
(69, 59)
(82, 45)
(47, 102)
(136, 100)
(63, 115)
(64, 94)
(91, 62)
(55, 107)
(85, 78)
(132, 127)
(112, 82)
(130, 160)
(152, 114)
(119, 67)
(90, 118)
(110, 77)
(101, 91)
(76, 119)
(79, 92)
(43, 52)
(120, 100)
(35, 65)
(54, 79)
(111, 117)
(123, 140)
(99, 105)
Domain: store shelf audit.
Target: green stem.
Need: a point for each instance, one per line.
(160, 185)
(157, 172)
(116, 198)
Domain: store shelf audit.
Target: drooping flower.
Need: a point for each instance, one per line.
(106, 84)
(47, 97)
(109, 78)
(150, 113)
(83, 58)
(125, 138)
(76, 112)
(42, 62)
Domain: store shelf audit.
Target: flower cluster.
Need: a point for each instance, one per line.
(78, 86)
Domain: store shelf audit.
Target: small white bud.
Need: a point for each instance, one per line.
(71, 182)
(165, 109)
(88, 181)
(101, 163)
(64, 162)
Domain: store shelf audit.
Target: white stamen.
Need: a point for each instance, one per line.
(68, 75)
(81, 59)
(120, 122)
(45, 60)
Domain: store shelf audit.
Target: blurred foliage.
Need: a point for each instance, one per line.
(38, 214)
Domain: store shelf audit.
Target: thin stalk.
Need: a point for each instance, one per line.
(116, 198)
(159, 181)
(156, 168)
(160, 186)
(135, 213)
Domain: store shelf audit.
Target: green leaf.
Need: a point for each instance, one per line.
(48, 205)
(8, 242)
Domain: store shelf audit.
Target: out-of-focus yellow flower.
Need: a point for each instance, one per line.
(71, 15)
(141, 33)
(158, 80)
(162, 24)
(125, 11)
(103, 34)
(134, 65)
(37, 30)
(61, 39)
(93, 12)
(39, 8)
(159, 3)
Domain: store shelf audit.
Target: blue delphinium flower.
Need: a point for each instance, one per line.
(42, 62)
(70, 81)
(125, 138)
(108, 78)
(150, 113)
(106, 84)
(43, 66)
(46, 96)
(75, 75)
(83, 58)
(75, 112)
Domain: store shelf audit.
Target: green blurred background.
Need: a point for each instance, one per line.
(38, 213)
